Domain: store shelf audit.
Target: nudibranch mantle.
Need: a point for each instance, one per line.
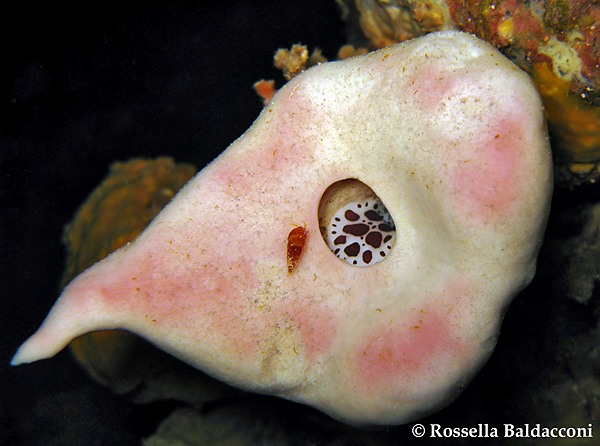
(361, 233)
(450, 137)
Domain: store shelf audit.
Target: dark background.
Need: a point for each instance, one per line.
(82, 86)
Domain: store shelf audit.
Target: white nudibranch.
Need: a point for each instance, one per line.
(355, 224)
(361, 233)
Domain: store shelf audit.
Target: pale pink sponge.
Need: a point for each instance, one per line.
(445, 135)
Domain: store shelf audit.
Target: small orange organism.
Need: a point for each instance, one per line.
(295, 245)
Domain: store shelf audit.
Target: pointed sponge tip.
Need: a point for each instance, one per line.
(43, 344)
(28, 352)
(64, 323)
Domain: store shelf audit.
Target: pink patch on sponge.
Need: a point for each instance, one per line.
(488, 179)
(413, 345)
(483, 129)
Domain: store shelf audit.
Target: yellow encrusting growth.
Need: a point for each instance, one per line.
(575, 123)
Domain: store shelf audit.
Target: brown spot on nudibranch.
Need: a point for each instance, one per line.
(295, 245)
(351, 216)
(357, 229)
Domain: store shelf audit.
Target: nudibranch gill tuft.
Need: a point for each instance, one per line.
(447, 134)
